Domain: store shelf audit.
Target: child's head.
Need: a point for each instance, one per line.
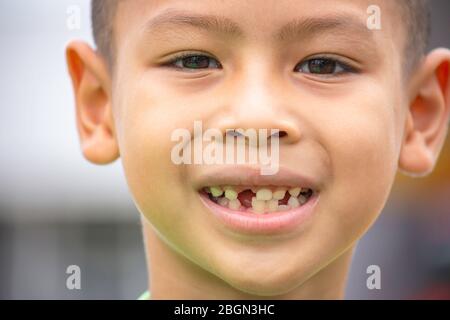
(349, 87)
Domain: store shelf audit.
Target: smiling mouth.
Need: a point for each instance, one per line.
(245, 202)
(261, 200)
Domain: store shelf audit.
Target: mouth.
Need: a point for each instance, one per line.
(260, 208)
(258, 200)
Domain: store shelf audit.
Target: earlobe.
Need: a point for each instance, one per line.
(428, 115)
(91, 85)
(415, 157)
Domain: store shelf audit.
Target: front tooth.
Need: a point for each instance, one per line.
(216, 191)
(231, 194)
(279, 193)
(295, 191)
(272, 205)
(223, 201)
(234, 204)
(283, 207)
(258, 206)
(264, 194)
(293, 202)
(302, 199)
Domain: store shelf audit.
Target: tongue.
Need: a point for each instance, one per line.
(245, 198)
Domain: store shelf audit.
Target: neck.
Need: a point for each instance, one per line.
(172, 276)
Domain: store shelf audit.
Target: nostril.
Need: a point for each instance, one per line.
(280, 134)
(237, 133)
(233, 133)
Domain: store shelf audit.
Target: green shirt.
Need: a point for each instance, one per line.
(145, 296)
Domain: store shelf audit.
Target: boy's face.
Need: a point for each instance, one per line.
(344, 122)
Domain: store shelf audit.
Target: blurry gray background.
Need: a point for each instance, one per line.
(56, 209)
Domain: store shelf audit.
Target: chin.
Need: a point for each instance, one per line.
(263, 283)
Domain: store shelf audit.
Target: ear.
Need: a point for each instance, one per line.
(428, 115)
(92, 89)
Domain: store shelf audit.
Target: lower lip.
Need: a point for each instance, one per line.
(262, 224)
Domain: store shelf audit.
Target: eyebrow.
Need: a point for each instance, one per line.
(177, 18)
(343, 23)
(306, 26)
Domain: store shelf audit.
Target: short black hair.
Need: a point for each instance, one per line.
(102, 17)
(415, 15)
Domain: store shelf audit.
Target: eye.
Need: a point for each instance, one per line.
(323, 66)
(193, 62)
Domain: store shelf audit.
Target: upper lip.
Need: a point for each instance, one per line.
(251, 176)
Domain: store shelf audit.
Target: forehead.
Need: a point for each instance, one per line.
(255, 20)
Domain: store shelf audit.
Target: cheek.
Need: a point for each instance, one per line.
(145, 144)
(361, 137)
(159, 187)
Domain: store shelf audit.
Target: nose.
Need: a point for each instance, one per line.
(258, 101)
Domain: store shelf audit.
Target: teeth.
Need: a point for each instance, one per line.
(302, 199)
(231, 194)
(216, 191)
(258, 206)
(223, 201)
(265, 200)
(293, 202)
(234, 204)
(295, 191)
(272, 205)
(264, 194)
(279, 194)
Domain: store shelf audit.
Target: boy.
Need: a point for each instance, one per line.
(346, 84)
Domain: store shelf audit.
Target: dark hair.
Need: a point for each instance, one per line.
(415, 14)
(102, 16)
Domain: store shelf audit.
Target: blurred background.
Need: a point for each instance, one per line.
(56, 209)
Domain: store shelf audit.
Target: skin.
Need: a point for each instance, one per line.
(351, 131)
